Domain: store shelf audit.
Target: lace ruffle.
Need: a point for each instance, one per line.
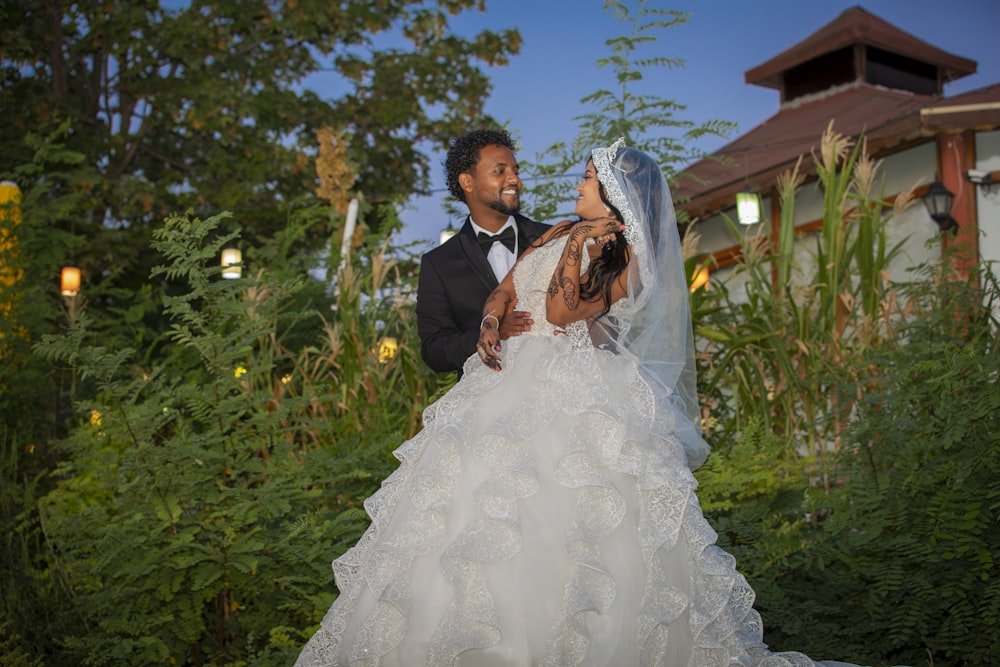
(542, 443)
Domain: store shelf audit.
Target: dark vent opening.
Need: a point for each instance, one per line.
(819, 74)
(899, 72)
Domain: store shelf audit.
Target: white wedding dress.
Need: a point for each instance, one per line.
(542, 517)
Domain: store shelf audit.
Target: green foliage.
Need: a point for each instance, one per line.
(30, 394)
(12, 655)
(753, 492)
(200, 503)
(31, 598)
(202, 107)
(775, 350)
(118, 114)
(649, 122)
(911, 543)
(853, 425)
(202, 104)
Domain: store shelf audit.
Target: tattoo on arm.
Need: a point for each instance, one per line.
(561, 282)
(496, 304)
(573, 251)
(493, 294)
(569, 293)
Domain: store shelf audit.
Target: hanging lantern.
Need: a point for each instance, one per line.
(748, 207)
(231, 259)
(387, 349)
(69, 281)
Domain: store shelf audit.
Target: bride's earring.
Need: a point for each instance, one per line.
(607, 209)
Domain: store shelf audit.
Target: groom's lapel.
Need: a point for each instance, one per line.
(527, 233)
(475, 255)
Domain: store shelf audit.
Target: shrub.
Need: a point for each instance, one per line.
(203, 498)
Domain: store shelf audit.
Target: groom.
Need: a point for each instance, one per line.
(457, 276)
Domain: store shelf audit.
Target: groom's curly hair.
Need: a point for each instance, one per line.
(463, 155)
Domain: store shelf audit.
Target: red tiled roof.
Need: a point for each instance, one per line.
(857, 26)
(888, 118)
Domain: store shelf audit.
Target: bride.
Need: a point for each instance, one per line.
(546, 514)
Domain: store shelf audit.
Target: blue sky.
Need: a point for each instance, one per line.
(539, 92)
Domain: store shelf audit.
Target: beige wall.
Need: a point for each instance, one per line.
(913, 228)
(988, 198)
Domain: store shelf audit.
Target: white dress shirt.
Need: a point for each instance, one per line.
(501, 259)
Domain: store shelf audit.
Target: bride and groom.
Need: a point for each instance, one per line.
(546, 514)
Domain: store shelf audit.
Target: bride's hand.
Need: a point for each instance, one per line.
(489, 343)
(602, 230)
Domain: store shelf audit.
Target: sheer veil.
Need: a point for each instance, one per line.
(653, 324)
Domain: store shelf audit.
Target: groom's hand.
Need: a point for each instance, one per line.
(515, 322)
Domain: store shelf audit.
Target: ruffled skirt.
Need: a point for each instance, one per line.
(543, 516)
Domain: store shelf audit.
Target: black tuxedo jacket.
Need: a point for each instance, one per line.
(455, 280)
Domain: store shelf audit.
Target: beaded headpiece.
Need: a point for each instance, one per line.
(603, 159)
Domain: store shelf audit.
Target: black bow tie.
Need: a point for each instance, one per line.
(506, 237)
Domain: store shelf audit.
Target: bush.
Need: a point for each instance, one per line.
(905, 568)
(203, 498)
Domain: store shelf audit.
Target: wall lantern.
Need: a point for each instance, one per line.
(69, 281)
(938, 200)
(447, 233)
(748, 207)
(231, 259)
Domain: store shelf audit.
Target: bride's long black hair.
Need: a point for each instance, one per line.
(605, 269)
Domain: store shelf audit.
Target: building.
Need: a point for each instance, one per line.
(866, 77)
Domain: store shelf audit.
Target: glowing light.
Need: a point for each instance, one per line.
(387, 349)
(700, 278)
(69, 281)
(231, 258)
(748, 207)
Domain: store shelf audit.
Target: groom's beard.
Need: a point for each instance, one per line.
(498, 204)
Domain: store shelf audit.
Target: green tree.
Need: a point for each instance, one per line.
(204, 106)
(647, 121)
(119, 113)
